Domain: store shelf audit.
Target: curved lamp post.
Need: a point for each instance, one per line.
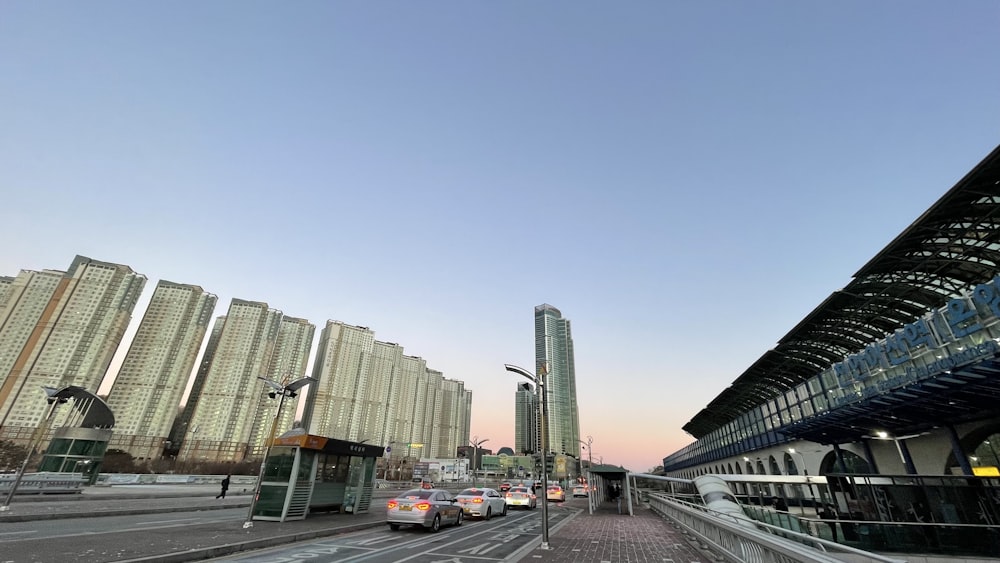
(289, 390)
(539, 382)
(475, 443)
(590, 450)
(96, 413)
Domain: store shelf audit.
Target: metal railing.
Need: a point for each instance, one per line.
(734, 541)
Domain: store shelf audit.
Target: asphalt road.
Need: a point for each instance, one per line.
(104, 527)
(475, 540)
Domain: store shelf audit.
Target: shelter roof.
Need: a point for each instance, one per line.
(947, 251)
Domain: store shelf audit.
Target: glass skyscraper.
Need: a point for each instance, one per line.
(554, 357)
(525, 420)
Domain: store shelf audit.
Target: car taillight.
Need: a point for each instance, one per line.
(509, 495)
(392, 504)
(423, 506)
(477, 501)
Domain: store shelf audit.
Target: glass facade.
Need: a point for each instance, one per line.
(964, 331)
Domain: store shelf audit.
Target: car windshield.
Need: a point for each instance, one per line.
(555, 488)
(471, 493)
(519, 490)
(416, 493)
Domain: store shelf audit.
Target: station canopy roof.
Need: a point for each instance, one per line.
(951, 248)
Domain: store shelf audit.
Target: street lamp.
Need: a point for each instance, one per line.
(590, 450)
(539, 382)
(475, 443)
(83, 401)
(289, 390)
(904, 452)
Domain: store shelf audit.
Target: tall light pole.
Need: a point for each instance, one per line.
(475, 443)
(590, 452)
(288, 390)
(539, 382)
(83, 400)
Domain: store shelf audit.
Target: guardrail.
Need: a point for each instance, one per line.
(733, 540)
(43, 483)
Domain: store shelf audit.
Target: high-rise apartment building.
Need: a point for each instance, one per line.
(228, 420)
(58, 329)
(427, 417)
(288, 363)
(5, 283)
(156, 370)
(403, 430)
(454, 424)
(526, 427)
(341, 371)
(554, 357)
(376, 396)
(370, 390)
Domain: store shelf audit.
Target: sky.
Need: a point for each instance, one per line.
(685, 181)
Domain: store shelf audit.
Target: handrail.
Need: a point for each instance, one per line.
(723, 534)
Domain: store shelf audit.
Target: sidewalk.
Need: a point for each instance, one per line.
(121, 500)
(608, 537)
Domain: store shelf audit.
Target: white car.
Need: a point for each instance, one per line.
(430, 508)
(521, 496)
(482, 503)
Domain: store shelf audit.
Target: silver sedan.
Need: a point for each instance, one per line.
(482, 502)
(430, 508)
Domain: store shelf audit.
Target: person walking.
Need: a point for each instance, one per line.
(225, 487)
(829, 513)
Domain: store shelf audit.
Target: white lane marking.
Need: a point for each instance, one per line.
(154, 522)
(489, 530)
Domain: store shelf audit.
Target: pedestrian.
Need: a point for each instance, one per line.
(779, 504)
(225, 487)
(830, 513)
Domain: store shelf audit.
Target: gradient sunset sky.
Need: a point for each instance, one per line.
(685, 181)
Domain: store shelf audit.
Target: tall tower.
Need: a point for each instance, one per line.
(59, 329)
(225, 409)
(554, 356)
(154, 374)
(526, 427)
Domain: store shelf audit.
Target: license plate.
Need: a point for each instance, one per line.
(405, 508)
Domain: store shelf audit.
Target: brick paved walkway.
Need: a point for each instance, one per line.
(607, 537)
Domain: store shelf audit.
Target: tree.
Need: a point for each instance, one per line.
(11, 456)
(118, 461)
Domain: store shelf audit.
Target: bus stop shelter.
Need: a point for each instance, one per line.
(601, 479)
(306, 473)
